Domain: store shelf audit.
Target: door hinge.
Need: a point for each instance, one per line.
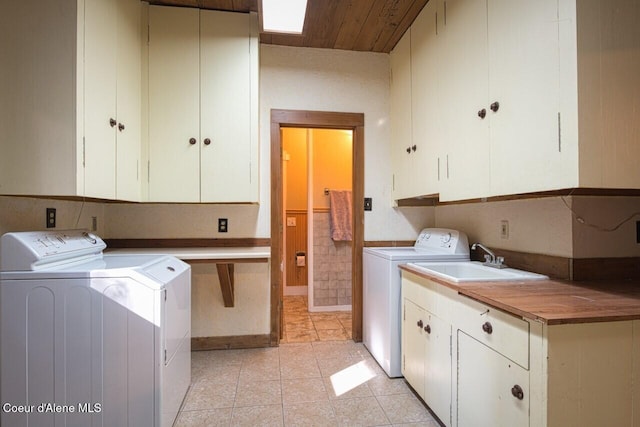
(393, 186)
(148, 35)
(450, 345)
(84, 151)
(148, 170)
(165, 355)
(165, 294)
(404, 313)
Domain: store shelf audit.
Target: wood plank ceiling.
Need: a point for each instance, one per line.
(363, 25)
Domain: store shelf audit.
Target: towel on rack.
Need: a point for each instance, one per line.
(340, 215)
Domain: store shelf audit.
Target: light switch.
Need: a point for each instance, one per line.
(291, 221)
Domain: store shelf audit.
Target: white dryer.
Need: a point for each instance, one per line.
(88, 339)
(382, 303)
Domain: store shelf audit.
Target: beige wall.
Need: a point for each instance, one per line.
(26, 214)
(549, 225)
(535, 225)
(594, 235)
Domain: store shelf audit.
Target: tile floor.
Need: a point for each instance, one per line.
(291, 385)
(302, 326)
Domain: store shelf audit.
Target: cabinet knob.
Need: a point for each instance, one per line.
(486, 326)
(207, 141)
(420, 324)
(414, 148)
(112, 122)
(192, 141)
(427, 329)
(517, 392)
(409, 150)
(495, 106)
(120, 127)
(482, 113)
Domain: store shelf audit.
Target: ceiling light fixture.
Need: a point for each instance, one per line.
(283, 16)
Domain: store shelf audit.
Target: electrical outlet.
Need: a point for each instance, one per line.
(51, 217)
(94, 223)
(223, 224)
(504, 229)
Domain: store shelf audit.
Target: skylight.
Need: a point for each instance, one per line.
(283, 16)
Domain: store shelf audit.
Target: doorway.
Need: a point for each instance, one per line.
(353, 122)
(317, 235)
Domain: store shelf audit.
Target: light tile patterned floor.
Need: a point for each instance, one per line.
(302, 326)
(290, 385)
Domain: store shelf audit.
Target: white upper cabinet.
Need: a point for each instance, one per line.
(400, 99)
(464, 159)
(112, 84)
(203, 109)
(526, 151)
(524, 97)
(426, 100)
(61, 96)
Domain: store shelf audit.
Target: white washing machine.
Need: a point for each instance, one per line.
(382, 284)
(88, 339)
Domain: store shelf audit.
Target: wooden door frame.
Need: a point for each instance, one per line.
(319, 120)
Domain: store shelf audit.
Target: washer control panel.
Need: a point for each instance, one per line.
(451, 241)
(31, 250)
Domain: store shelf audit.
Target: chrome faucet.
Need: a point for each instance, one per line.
(490, 259)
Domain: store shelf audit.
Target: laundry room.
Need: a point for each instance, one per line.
(122, 124)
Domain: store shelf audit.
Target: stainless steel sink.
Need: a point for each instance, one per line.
(473, 271)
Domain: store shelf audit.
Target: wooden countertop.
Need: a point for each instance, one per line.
(553, 301)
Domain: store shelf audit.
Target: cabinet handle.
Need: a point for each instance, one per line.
(192, 141)
(495, 106)
(414, 148)
(408, 150)
(486, 326)
(120, 127)
(207, 141)
(517, 392)
(420, 324)
(482, 113)
(427, 329)
(112, 122)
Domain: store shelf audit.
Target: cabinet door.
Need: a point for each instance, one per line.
(227, 122)
(401, 117)
(464, 161)
(437, 367)
(174, 104)
(485, 383)
(128, 105)
(426, 58)
(526, 151)
(100, 47)
(413, 346)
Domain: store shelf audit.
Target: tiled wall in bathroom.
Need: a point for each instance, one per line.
(331, 266)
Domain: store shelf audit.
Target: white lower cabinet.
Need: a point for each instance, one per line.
(426, 350)
(492, 390)
(475, 365)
